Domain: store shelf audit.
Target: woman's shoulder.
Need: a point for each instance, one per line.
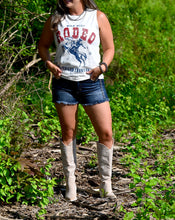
(101, 14)
(102, 19)
(48, 21)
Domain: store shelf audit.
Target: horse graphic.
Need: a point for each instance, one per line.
(75, 47)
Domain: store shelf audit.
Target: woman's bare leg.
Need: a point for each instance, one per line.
(100, 115)
(68, 119)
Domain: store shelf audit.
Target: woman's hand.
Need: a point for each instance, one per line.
(54, 69)
(95, 72)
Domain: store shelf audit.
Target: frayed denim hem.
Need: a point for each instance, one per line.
(88, 104)
(98, 102)
(65, 103)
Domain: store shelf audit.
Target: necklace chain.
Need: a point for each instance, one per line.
(79, 17)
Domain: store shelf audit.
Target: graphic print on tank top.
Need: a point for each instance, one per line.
(77, 48)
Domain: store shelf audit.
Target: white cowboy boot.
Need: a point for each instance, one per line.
(75, 151)
(68, 154)
(105, 170)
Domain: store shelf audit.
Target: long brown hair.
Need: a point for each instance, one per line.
(61, 10)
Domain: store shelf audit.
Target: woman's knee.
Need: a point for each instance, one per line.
(106, 135)
(68, 134)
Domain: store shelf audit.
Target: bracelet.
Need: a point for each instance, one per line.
(106, 66)
(101, 69)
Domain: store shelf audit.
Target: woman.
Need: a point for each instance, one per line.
(78, 28)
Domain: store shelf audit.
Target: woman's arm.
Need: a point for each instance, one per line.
(106, 38)
(45, 41)
(44, 44)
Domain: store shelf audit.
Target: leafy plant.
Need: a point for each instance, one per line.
(93, 161)
(30, 187)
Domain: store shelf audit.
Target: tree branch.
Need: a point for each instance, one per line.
(18, 75)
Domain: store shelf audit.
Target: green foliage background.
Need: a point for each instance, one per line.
(140, 84)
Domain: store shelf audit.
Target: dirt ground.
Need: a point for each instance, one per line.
(89, 204)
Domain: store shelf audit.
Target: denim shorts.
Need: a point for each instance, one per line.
(85, 92)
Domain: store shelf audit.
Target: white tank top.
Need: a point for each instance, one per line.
(77, 45)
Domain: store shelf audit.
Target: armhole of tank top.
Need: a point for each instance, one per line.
(97, 19)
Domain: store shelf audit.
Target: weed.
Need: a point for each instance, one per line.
(93, 161)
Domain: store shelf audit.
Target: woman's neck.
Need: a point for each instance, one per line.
(77, 10)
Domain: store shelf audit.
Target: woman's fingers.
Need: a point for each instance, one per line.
(94, 73)
(57, 73)
(55, 70)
